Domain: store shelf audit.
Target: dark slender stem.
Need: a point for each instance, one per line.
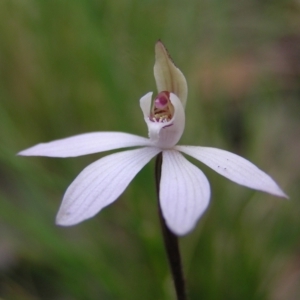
(170, 241)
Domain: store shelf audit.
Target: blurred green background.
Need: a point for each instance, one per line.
(69, 67)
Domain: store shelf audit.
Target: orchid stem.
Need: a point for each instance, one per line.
(170, 241)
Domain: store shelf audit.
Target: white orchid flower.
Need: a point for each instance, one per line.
(184, 189)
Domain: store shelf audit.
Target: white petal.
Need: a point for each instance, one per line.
(145, 104)
(164, 135)
(184, 192)
(101, 183)
(167, 76)
(235, 168)
(86, 143)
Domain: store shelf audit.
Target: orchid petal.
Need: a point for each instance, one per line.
(145, 104)
(235, 168)
(86, 143)
(167, 76)
(101, 183)
(164, 135)
(184, 192)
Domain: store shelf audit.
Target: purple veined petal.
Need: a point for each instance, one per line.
(164, 135)
(184, 192)
(167, 76)
(101, 183)
(235, 168)
(86, 143)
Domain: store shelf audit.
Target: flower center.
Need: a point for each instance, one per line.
(162, 110)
